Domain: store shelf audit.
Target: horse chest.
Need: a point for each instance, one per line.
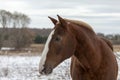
(78, 72)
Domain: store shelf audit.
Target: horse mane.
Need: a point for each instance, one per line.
(83, 24)
(80, 23)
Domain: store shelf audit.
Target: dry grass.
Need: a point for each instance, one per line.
(33, 50)
(116, 48)
(37, 47)
(36, 50)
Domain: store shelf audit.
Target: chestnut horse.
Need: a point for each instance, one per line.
(92, 56)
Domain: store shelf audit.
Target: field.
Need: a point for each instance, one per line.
(24, 66)
(116, 48)
(36, 49)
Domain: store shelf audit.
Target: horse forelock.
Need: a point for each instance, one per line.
(80, 23)
(45, 51)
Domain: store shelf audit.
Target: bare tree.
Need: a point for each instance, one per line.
(5, 18)
(1, 40)
(23, 38)
(16, 19)
(25, 20)
(20, 20)
(20, 36)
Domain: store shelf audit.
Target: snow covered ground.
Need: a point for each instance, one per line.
(26, 68)
(118, 59)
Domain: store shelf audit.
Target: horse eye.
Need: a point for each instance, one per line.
(57, 39)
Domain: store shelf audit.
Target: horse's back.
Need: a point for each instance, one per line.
(109, 66)
(108, 42)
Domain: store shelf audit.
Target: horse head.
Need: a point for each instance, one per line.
(59, 46)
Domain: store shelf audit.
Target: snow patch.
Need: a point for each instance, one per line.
(27, 68)
(7, 48)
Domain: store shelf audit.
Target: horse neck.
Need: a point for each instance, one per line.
(85, 37)
(85, 42)
(85, 48)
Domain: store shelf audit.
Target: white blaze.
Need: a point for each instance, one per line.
(45, 51)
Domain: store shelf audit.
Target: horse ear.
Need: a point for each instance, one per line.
(62, 22)
(53, 20)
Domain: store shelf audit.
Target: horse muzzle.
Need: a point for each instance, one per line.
(46, 70)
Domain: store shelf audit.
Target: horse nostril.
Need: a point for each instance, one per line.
(43, 71)
(46, 70)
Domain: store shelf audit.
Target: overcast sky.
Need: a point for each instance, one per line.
(102, 15)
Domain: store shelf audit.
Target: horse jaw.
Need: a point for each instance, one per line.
(45, 51)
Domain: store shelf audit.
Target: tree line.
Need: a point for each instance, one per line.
(16, 19)
(14, 31)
